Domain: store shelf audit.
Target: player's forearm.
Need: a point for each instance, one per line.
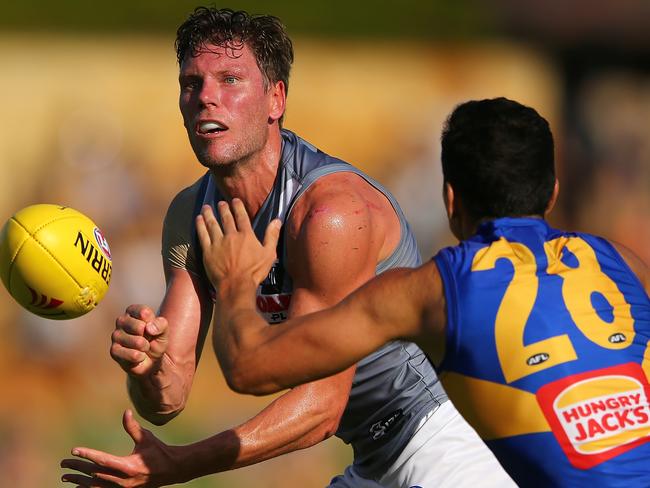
(292, 422)
(159, 396)
(238, 332)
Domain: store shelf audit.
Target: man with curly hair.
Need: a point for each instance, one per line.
(340, 229)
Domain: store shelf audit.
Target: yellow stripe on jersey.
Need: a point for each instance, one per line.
(524, 415)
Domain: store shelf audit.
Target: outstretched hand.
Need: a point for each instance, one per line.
(151, 464)
(235, 252)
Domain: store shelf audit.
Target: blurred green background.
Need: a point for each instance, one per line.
(90, 120)
(378, 19)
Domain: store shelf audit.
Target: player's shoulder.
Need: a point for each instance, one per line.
(344, 195)
(178, 229)
(183, 204)
(636, 264)
(333, 202)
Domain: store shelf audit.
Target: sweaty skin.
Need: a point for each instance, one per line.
(336, 234)
(488, 312)
(400, 303)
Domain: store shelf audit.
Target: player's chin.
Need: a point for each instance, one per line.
(212, 159)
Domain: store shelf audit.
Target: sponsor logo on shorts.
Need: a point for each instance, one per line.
(381, 428)
(598, 415)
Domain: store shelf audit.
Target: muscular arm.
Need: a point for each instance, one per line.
(187, 308)
(407, 303)
(259, 358)
(160, 390)
(409, 300)
(401, 303)
(333, 248)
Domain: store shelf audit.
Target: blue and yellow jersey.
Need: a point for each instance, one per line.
(547, 353)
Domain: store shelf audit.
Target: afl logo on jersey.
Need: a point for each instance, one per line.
(617, 338)
(537, 359)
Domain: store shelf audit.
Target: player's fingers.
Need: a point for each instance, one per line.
(107, 463)
(157, 333)
(125, 357)
(211, 224)
(79, 465)
(87, 482)
(130, 325)
(158, 347)
(132, 427)
(130, 341)
(98, 476)
(241, 216)
(110, 480)
(227, 220)
(202, 232)
(272, 234)
(140, 312)
(157, 328)
(89, 468)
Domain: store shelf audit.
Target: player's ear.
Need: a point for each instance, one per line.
(553, 199)
(449, 199)
(278, 101)
(455, 213)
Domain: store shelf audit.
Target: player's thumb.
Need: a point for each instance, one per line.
(131, 426)
(156, 333)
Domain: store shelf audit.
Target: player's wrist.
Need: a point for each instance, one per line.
(236, 291)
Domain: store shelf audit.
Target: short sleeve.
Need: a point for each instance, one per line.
(178, 231)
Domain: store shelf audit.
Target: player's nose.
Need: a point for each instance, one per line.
(210, 93)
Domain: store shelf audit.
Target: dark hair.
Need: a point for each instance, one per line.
(264, 34)
(498, 157)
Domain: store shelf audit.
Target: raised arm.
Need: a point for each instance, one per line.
(258, 359)
(262, 360)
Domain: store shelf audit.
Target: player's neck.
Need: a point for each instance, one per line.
(251, 180)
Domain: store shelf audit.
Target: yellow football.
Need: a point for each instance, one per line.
(54, 261)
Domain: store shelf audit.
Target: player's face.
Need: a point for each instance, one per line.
(225, 109)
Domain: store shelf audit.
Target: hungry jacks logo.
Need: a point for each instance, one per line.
(598, 415)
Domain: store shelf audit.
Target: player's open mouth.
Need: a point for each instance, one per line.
(210, 127)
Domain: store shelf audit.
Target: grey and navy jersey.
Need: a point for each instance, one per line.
(393, 387)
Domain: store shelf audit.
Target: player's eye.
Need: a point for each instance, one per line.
(230, 80)
(189, 85)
